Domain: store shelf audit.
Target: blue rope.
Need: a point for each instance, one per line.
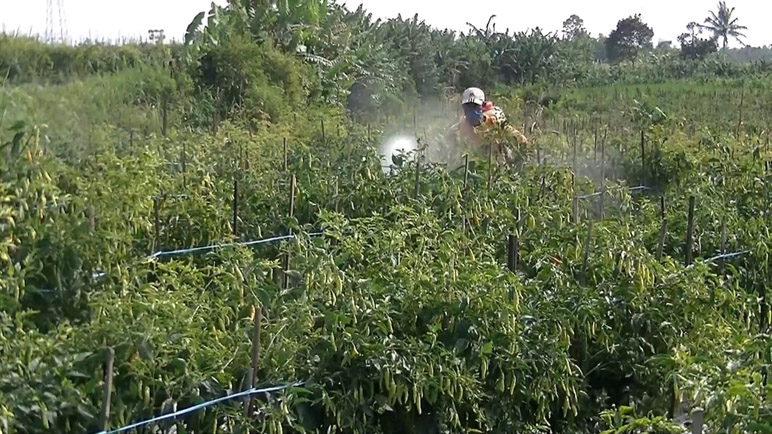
(203, 405)
(101, 274)
(726, 256)
(720, 257)
(640, 187)
(587, 196)
(180, 252)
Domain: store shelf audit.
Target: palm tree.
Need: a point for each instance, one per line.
(723, 25)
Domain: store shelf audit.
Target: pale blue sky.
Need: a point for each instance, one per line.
(115, 19)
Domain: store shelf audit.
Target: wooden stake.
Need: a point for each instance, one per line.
(740, 118)
(293, 187)
(573, 162)
(335, 195)
(157, 224)
(252, 378)
(586, 258)
(286, 155)
(512, 253)
(417, 186)
(104, 415)
(490, 166)
(723, 247)
(603, 176)
(466, 171)
(574, 202)
(662, 207)
(663, 229)
(184, 162)
(767, 173)
(690, 232)
(164, 115)
(463, 192)
(763, 327)
(643, 158)
(235, 207)
(698, 420)
(216, 114)
(293, 192)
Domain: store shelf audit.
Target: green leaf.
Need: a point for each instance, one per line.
(487, 348)
(18, 126)
(145, 349)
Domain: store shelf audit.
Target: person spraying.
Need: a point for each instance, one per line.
(481, 117)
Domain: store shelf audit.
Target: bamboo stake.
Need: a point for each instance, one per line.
(417, 186)
(512, 253)
(490, 166)
(157, 224)
(586, 258)
(286, 155)
(740, 117)
(235, 207)
(184, 161)
(602, 176)
(690, 232)
(104, 415)
(767, 172)
(721, 264)
(698, 420)
(463, 192)
(466, 171)
(164, 115)
(293, 187)
(252, 378)
(538, 155)
(643, 158)
(574, 199)
(573, 162)
(336, 193)
(663, 229)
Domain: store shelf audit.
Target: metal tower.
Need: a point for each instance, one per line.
(49, 21)
(53, 33)
(62, 21)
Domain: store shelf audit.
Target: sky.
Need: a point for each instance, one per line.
(116, 19)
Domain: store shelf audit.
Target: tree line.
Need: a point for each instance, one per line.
(256, 56)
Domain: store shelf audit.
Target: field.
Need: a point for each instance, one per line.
(614, 281)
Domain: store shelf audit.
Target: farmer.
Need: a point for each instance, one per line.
(480, 117)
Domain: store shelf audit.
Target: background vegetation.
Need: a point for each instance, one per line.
(407, 315)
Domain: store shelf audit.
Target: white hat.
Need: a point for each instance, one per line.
(474, 95)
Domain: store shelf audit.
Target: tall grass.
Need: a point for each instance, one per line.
(28, 59)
